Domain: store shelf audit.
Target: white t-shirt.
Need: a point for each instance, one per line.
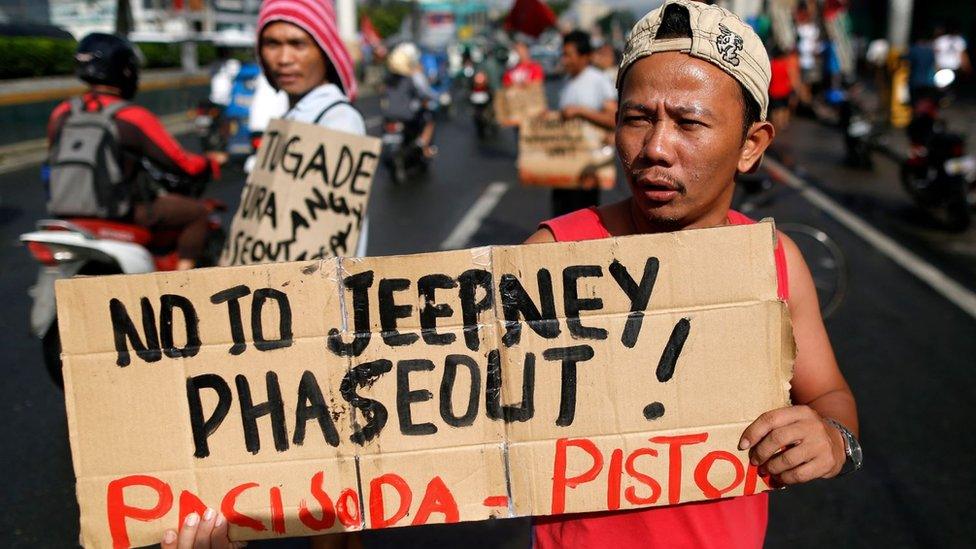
(808, 43)
(222, 82)
(342, 117)
(590, 88)
(948, 51)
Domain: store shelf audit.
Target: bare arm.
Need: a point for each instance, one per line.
(540, 236)
(605, 117)
(794, 443)
(817, 380)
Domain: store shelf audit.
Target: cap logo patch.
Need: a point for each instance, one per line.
(729, 44)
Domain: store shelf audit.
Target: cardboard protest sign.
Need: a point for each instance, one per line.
(341, 394)
(306, 197)
(565, 154)
(516, 104)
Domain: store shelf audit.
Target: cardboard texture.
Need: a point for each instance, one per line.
(306, 197)
(566, 154)
(517, 104)
(335, 395)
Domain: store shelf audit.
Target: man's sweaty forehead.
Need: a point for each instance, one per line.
(686, 84)
(675, 107)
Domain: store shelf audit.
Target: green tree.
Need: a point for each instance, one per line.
(386, 16)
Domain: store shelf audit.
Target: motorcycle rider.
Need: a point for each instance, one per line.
(110, 66)
(222, 77)
(407, 91)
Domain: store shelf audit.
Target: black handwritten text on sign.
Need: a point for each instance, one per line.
(475, 290)
(306, 198)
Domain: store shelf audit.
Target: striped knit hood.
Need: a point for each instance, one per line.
(318, 19)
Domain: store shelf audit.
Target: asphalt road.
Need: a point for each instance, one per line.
(907, 352)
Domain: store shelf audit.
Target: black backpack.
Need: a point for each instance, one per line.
(86, 165)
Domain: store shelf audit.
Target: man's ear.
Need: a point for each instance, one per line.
(757, 140)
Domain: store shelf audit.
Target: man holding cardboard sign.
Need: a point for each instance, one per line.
(522, 95)
(693, 98)
(308, 193)
(344, 394)
(589, 98)
(301, 53)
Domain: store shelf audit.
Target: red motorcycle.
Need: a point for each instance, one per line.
(93, 247)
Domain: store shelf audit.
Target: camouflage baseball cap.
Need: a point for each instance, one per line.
(717, 36)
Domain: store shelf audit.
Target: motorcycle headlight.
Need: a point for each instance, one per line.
(944, 78)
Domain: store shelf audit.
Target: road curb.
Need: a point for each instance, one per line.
(26, 154)
(33, 90)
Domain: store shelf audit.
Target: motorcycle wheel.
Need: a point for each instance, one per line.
(909, 183)
(51, 349)
(213, 248)
(957, 215)
(480, 127)
(51, 342)
(398, 169)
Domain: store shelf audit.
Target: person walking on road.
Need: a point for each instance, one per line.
(587, 95)
(693, 101)
(785, 86)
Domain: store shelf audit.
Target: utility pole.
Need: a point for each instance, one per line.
(899, 23)
(123, 18)
(346, 14)
(899, 31)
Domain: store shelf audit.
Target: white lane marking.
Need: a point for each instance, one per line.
(926, 272)
(373, 122)
(469, 224)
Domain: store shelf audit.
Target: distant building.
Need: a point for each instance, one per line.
(32, 11)
(221, 21)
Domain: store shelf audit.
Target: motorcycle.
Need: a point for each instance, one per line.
(402, 156)
(435, 69)
(211, 126)
(481, 105)
(239, 109)
(858, 132)
(938, 174)
(93, 247)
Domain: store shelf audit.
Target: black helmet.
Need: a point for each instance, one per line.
(110, 60)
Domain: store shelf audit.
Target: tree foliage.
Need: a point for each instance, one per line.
(25, 57)
(386, 16)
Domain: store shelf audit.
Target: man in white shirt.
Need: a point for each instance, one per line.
(589, 95)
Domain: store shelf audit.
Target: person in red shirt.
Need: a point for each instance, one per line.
(692, 115)
(526, 71)
(110, 66)
(785, 86)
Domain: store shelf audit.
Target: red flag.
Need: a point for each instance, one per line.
(530, 17)
(370, 35)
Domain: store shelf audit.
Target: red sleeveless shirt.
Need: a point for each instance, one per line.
(733, 523)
